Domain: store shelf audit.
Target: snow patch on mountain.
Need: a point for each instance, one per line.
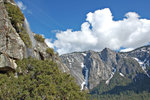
(139, 61)
(70, 64)
(84, 54)
(107, 82)
(82, 65)
(121, 74)
(143, 65)
(82, 86)
(112, 74)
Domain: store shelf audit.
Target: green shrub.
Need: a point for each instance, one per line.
(15, 14)
(123, 88)
(25, 37)
(50, 51)
(17, 19)
(39, 80)
(39, 38)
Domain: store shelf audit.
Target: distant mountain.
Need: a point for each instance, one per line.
(28, 67)
(104, 71)
(141, 55)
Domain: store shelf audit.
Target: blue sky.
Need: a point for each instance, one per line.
(48, 16)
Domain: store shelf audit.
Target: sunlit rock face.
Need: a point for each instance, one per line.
(10, 42)
(12, 46)
(90, 68)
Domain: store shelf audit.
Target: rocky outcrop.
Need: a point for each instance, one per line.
(11, 44)
(13, 47)
(6, 64)
(40, 53)
(142, 56)
(142, 53)
(75, 62)
(98, 70)
(90, 68)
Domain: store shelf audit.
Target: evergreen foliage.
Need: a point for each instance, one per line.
(39, 38)
(25, 37)
(17, 20)
(15, 14)
(50, 51)
(123, 88)
(39, 80)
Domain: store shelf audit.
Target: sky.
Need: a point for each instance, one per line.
(81, 25)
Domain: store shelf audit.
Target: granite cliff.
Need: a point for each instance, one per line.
(91, 68)
(17, 40)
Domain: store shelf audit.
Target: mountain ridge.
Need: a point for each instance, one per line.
(107, 60)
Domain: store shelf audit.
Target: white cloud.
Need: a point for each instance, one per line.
(127, 50)
(49, 43)
(100, 31)
(21, 5)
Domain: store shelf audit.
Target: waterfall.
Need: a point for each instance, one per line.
(30, 51)
(85, 72)
(86, 75)
(31, 34)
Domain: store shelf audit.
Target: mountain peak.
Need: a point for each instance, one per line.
(107, 50)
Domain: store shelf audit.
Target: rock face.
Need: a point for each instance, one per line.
(6, 64)
(13, 48)
(142, 56)
(11, 45)
(90, 68)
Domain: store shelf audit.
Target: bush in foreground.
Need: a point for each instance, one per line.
(39, 80)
